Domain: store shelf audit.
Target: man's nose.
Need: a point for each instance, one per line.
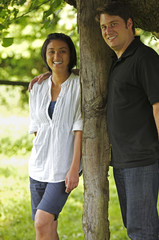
(108, 30)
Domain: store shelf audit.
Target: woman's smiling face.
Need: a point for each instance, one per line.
(58, 55)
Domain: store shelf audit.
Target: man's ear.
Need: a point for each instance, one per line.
(129, 23)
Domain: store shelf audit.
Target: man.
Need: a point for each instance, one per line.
(133, 121)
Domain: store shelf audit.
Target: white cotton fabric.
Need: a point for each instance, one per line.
(52, 151)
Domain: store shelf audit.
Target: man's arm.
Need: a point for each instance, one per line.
(156, 115)
(38, 79)
(72, 177)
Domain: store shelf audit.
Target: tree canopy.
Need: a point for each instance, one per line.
(12, 11)
(23, 33)
(21, 39)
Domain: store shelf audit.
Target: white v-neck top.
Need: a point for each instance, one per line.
(52, 151)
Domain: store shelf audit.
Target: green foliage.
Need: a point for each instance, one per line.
(13, 100)
(149, 39)
(22, 60)
(20, 146)
(7, 42)
(12, 11)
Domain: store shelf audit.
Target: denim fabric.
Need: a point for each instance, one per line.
(49, 197)
(138, 193)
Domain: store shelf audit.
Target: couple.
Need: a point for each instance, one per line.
(133, 127)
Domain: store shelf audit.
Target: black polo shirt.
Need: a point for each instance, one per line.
(133, 88)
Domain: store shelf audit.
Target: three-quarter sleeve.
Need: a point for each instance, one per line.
(78, 121)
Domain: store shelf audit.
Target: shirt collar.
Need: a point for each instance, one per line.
(65, 83)
(130, 49)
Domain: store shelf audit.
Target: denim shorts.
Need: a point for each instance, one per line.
(49, 197)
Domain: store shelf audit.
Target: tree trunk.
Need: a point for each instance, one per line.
(95, 62)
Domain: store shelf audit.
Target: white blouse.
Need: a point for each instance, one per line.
(53, 146)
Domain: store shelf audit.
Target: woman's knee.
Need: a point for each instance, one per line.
(43, 220)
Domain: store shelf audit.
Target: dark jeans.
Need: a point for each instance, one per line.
(138, 193)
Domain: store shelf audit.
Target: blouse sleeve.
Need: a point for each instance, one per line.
(78, 121)
(33, 123)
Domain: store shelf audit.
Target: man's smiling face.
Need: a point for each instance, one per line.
(116, 33)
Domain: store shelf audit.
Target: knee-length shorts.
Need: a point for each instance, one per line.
(49, 197)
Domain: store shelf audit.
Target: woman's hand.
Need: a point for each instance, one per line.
(72, 177)
(72, 180)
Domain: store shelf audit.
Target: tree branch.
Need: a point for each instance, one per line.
(14, 83)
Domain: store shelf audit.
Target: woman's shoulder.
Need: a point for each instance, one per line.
(75, 79)
(39, 87)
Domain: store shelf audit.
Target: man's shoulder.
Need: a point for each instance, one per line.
(146, 51)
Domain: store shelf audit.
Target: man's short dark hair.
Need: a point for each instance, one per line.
(64, 38)
(116, 8)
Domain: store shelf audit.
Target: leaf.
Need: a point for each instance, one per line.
(4, 34)
(47, 13)
(57, 3)
(1, 27)
(21, 2)
(7, 42)
(15, 12)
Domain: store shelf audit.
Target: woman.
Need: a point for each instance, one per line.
(55, 119)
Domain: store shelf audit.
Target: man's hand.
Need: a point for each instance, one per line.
(39, 79)
(75, 71)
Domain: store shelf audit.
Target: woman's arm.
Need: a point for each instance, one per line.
(72, 177)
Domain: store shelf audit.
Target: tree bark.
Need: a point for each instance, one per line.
(146, 14)
(95, 62)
